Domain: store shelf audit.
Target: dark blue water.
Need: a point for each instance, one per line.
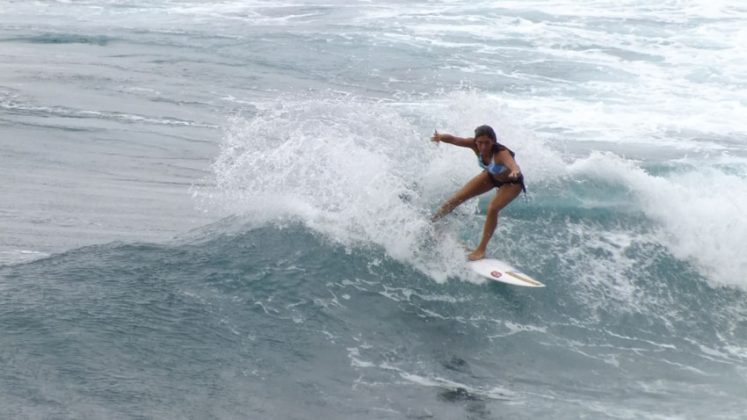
(281, 323)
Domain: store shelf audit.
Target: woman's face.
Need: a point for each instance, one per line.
(484, 145)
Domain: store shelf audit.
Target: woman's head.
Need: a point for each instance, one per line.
(485, 130)
(485, 139)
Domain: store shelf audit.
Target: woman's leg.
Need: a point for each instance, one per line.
(505, 195)
(476, 186)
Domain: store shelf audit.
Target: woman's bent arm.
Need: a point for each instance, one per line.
(504, 158)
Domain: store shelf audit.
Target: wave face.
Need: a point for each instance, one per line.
(222, 209)
(282, 323)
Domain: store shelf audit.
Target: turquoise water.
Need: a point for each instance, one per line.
(221, 210)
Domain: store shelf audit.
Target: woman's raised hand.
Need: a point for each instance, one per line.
(436, 137)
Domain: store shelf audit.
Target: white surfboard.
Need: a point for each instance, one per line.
(503, 272)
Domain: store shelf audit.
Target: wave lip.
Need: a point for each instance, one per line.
(697, 206)
(20, 256)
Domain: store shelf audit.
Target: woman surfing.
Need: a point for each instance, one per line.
(500, 171)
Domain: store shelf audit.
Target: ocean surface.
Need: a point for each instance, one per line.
(221, 209)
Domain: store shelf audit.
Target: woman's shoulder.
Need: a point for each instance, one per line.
(499, 148)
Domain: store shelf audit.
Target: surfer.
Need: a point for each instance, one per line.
(499, 171)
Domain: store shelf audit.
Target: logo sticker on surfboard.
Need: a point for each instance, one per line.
(496, 274)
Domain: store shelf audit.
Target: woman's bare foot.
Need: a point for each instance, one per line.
(476, 255)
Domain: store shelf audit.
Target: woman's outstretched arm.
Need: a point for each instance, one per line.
(467, 142)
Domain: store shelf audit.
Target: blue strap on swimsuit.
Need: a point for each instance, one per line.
(493, 168)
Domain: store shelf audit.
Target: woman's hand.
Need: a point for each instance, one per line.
(514, 174)
(436, 137)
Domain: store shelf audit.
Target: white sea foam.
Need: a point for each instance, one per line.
(495, 393)
(350, 169)
(363, 173)
(699, 208)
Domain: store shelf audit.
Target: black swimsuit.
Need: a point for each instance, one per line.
(519, 180)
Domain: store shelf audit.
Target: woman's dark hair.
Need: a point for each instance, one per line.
(485, 130)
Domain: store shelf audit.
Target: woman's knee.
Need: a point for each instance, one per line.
(494, 208)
